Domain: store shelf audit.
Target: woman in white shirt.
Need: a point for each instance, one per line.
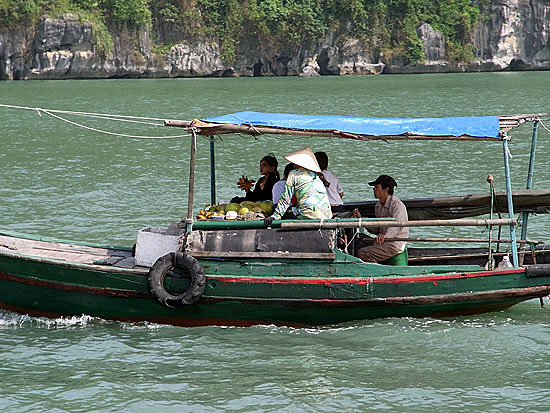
(335, 191)
(280, 186)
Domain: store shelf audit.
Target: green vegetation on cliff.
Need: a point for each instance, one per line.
(387, 26)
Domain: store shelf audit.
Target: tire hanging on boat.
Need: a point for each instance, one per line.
(167, 263)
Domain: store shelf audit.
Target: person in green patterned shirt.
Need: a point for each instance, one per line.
(305, 183)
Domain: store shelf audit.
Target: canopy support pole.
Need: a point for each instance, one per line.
(212, 172)
(490, 261)
(192, 175)
(506, 151)
(530, 174)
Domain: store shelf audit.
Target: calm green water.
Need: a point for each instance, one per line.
(65, 182)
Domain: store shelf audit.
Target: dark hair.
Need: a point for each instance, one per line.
(385, 181)
(289, 167)
(322, 160)
(272, 161)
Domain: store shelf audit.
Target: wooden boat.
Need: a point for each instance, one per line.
(296, 272)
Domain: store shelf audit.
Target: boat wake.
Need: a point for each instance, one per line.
(11, 319)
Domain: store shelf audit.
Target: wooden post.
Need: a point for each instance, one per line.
(490, 261)
(191, 175)
(506, 150)
(212, 172)
(530, 175)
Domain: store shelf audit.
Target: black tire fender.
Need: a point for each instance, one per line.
(160, 269)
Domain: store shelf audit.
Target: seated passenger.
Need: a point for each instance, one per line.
(280, 186)
(306, 183)
(334, 189)
(388, 206)
(263, 188)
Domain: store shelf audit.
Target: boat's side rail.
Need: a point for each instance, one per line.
(359, 223)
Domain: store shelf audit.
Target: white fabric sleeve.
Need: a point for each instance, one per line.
(398, 212)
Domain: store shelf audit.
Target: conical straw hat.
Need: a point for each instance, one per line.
(305, 158)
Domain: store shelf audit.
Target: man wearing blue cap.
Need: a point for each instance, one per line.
(388, 206)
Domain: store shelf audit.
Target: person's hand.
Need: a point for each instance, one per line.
(355, 213)
(268, 221)
(245, 184)
(380, 238)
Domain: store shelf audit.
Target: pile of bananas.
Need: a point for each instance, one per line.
(245, 184)
(208, 214)
(245, 210)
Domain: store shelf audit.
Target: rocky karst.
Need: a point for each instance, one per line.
(516, 36)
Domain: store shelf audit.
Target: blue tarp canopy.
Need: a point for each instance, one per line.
(481, 127)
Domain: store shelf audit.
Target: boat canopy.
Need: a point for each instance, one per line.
(476, 127)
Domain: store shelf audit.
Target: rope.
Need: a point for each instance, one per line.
(507, 151)
(70, 112)
(119, 118)
(247, 122)
(544, 126)
(108, 117)
(321, 228)
(111, 133)
(352, 238)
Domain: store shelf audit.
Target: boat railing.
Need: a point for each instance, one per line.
(366, 223)
(342, 223)
(488, 223)
(370, 223)
(280, 223)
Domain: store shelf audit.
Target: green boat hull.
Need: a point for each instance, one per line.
(245, 292)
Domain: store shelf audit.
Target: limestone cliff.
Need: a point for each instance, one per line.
(514, 36)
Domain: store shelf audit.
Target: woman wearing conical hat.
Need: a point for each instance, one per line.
(306, 184)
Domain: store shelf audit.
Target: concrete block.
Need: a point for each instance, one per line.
(152, 243)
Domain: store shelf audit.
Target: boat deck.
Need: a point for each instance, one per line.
(71, 253)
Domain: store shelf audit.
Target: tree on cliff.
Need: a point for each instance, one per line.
(383, 25)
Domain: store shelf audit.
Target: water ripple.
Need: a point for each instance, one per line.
(66, 183)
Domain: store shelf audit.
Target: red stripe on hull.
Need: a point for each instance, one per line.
(431, 278)
(264, 280)
(77, 288)
(364, 280)
(512, 293)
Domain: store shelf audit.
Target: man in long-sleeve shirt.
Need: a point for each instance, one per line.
(388, 206)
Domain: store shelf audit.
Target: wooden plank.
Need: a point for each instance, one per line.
(56, 250)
